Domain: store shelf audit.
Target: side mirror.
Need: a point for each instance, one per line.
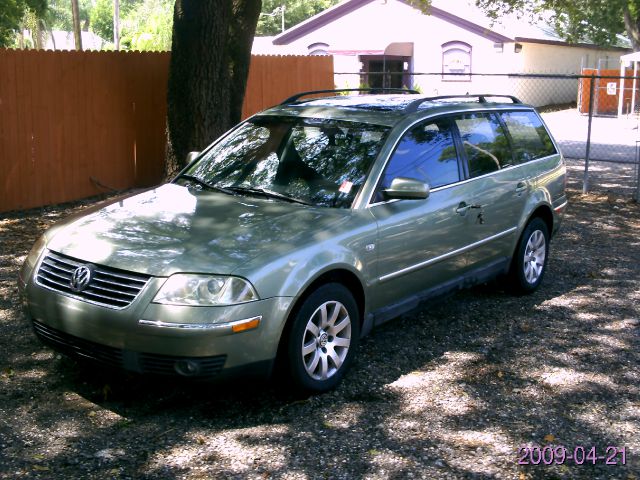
(407, 188)
(191, 156)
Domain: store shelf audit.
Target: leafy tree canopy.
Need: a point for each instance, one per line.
(102, 15)
(295, 11)
(148, 26)
(11, 14)
(144, 24)
(102, 19)
(598, 21)
(59, 15)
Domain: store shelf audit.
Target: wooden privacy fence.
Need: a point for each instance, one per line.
(72, 121)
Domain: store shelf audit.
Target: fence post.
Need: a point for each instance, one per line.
(638, 183)
(585, 180)
(637, 172)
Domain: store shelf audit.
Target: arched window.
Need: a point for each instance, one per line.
(456, 62)
(318, 48)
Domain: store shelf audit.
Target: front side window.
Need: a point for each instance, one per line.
(426, 153)
(485, 144)
(529, 136)
(316, 161)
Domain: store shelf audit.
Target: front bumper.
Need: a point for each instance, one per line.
(141, 337)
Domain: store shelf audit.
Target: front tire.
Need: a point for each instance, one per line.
(530, 259)
(323, 338)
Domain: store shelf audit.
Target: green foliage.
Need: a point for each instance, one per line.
(148, 26)
(59, 14)
(102, 19)
(12, 13)
(144, 24)
(295, 12)
(101, 15)
(597, 21)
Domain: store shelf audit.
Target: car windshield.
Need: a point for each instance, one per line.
(313, 161)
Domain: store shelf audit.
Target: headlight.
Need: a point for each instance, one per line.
(185, 289)
(30, 262)
(35, 252)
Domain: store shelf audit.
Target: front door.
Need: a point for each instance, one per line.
(385, 71)
(421, 242)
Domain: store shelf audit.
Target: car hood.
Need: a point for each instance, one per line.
(176, 229)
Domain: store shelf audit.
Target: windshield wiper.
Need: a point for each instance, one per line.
(268, 194)
(206, 185)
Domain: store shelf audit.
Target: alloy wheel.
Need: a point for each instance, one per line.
(326, 340)
(534, 256)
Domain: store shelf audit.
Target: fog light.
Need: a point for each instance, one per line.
(187, 368)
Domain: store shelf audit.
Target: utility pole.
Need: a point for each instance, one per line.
(77, 33)
(116, 23)
(277, 11)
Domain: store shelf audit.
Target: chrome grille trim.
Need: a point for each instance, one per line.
(109, 287)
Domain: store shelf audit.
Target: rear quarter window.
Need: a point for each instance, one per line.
(530, 137)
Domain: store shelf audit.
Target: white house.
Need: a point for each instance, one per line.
(62, 40)
(391, 43)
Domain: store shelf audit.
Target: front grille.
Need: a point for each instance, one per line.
(109, 287)
(146, 363)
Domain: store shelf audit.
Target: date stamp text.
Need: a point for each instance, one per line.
(578, 455)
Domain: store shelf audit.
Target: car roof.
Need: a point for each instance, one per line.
(386, 109)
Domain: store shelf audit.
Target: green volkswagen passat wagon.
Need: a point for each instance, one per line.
(299, 231)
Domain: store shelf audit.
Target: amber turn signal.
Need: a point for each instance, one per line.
(245, 325)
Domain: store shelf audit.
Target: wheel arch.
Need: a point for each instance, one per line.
(342, 276)
(543, 212)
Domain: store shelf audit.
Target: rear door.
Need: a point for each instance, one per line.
(498, 189)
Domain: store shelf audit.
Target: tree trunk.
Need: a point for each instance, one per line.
(77, 33)
(210, 55)
(116, 24)
(632, 26)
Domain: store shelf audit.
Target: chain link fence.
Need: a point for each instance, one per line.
(597, 131)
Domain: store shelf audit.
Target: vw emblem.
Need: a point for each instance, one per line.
(80, 278)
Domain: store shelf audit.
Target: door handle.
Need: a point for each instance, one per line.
(464, 206)
(521, 187)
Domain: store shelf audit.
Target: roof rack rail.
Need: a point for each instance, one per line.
(482, 98)
(295, 97)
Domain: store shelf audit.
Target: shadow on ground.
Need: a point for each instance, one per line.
(449, 391)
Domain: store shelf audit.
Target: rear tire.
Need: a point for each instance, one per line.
(323, 339)
(529, 263)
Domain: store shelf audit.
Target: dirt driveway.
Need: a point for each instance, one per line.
(451, 391)
(612, 139)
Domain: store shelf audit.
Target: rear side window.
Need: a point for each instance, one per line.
(485, 143)
(530, 138)
(426, 153)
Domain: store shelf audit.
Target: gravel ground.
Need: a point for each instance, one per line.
(450, 391)
(605, 177)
